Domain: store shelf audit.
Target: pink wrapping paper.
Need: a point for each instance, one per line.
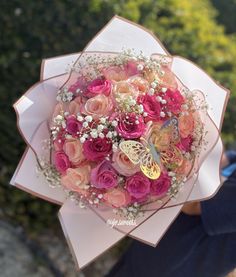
(85, 229)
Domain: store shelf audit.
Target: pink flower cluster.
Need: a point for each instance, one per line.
(124, 102)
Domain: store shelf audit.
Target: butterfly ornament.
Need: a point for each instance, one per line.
(147, 154)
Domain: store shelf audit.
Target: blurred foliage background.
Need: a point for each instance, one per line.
(201, 30)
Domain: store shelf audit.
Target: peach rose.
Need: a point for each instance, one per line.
(186, 125)
(117, 197)
(76, 179)
(140, 84)
(75, 105)
(161, 139)
(124, 89)
(58, 110)
(168, 80)
(98, 106)
(123, 165)
(150, 75)
(74, 150)
(185, 168)
(172, 157)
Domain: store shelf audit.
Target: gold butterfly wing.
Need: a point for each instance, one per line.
(149, 167)
(139, 154)
(133, 150)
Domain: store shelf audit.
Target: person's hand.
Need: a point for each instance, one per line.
(193, 208)
(224, 161)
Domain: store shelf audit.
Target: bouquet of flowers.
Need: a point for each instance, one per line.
(125, 132)
(121, 132)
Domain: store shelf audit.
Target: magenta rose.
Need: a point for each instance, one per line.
(104, 176)
(73, 125)
(130, 126)
(151, 106)
(80, 84)
(160, 186)
(97, 149)
(174, 100)
(185, 143)
(138, 185)
(98, 86)
(61, 162)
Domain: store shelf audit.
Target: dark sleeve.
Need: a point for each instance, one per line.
(219, 213)
(231, 155)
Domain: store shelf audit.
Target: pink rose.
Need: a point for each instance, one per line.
(123, 164)
(61, 162)
(115, 73)
(185, 143)
(104, 176)
(160, 186)
(98, 106)
(138, 185)
(77, 179)
(59, 141)
(117, 197)
(151, 106)
(74, 150)
(174, 100)
(130, 68)
(131, 127)
(98, 86)
(97, 149)
(73, 126)
(58, 145)
(119, 73)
